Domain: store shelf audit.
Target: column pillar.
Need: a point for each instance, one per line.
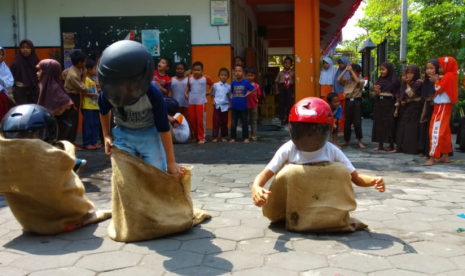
(304, 48)
(316, 45)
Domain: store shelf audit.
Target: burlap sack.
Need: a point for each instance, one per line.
(147, 203)
(313, 198)
(41, 189)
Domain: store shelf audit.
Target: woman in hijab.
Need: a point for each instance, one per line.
(384, 93)
(24, 72)
(408, 130)
(339, 89)
(6, 82)
(427, 95)
(326, 78)
(53, 95)
(446, 94)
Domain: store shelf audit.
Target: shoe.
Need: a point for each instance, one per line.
(90, 147)
(80, 164)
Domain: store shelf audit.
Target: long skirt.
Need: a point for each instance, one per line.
(424, 130)
(383, 124)
(4, 104)
(408, 131)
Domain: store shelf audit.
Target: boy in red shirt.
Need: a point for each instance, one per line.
(160, 76)
(252, 102)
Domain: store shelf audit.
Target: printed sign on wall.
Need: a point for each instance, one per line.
(151, 40)
(219, 13)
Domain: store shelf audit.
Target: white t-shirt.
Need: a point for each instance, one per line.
(288, 153)
(177, 91)
(181, 131)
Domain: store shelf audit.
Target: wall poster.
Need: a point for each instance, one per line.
(219, 13)
(151, 40)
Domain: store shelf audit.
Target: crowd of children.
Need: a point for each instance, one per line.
(411, 115)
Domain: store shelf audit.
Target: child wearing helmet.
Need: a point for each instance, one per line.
(125, 73)
(310, 123)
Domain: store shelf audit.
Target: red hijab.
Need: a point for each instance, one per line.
(449, 82)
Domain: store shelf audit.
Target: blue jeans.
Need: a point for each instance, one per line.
(90, 126)
(144, 143)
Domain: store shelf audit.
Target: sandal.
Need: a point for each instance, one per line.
(91, 147)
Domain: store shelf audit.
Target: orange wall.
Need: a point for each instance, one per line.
(42, 53)
(213, 58)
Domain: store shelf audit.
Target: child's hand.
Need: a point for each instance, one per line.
(379, 184)
(259, 195)
(434, 78)
(177, 171)
(108, 144)
(403, 103)
(396, 113)
(186, 96)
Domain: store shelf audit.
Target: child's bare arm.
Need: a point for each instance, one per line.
(259, 194)
(368, 181)
(209, 90)
(186, 93)
(276, 88)
(105, 121)
(173, 168)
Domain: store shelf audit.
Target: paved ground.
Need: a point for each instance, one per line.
(412, 226)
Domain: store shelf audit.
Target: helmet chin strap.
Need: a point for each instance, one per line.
(124, 116)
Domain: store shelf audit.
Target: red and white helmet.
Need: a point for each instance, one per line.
(312, 110)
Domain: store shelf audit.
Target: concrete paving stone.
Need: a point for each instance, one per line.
(438, 249)
(109, 260)
(208, 200)
(360, 209)
(359, 262)
(7, 258)
(32, 244)
(13, 271)
(244, 179)
(367, 202)
(460, 262)
(402, 237)
(260, 222)
(395, 272)
(448, 226)
(346, 237)
(241, 200)
(193, 234)
(441, 204)
(212, 189)
(218, 179)
(241, 214)
(418, 191)
(82, 233)
(239, 233)
(389, 209)
(233, 185)
(422, 263)
(245, 190)
(378, 247)
(228, 195)
(135, 271)
(234, 260)
(12, 225)
(222, 207)
(4, 231)
(449, 197)
(152, 246)
(265, 271)
(444, 237)
(282, 234)
(420, 217)
(198, 271)
(295, 261)
(64, 271)
(408, 225)
(452, 273)
(373, 225)
(375, 215)
(400, 202)
(252, 207)
(265, 245)
(413, 197)
(219, 222)
(430, 210)
(172, 260)
(42, 262)
(331, 271)
(454, 218)
(198, 194)
(10, 235)
(322, 247)
(208, 246)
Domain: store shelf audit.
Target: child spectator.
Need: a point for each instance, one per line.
(237, 60)
(353, 101)
(199, 86)
(408, 128)
(90, 116)
(178, 87)
(6, 82)
(284, 85)
(160, 76)
(384, 93)
(446, 95)
(336, 108)
(399, 101)
(75, 85)
(142, 128)
(252, 102)
(221, 96)
(240, 89)
(23, 68)
(310, 123)
(339, 89)
(179, 127)
(326, 78)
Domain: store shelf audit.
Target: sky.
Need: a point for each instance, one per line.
(350, 31)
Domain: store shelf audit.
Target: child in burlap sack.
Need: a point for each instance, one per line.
(310, 123)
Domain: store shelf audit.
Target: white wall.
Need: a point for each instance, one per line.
(42, 17)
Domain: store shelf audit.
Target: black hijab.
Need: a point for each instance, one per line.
(24, 68)
(428, 90)
(389, 83)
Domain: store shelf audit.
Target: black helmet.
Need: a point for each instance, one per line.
(30, 121)
(172, 106)
(125, 71)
